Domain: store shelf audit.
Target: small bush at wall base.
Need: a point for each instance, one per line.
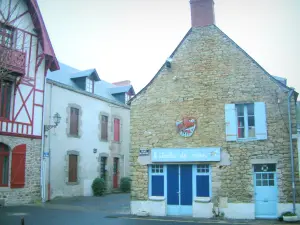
(98, 186)
(125, 184)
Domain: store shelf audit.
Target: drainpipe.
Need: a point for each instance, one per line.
(43, 147)
(49, 142)
(291, 149)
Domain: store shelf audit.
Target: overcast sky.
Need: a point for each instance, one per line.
(131, 39)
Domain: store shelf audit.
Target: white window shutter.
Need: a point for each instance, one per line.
(260, 118)
(230, 122)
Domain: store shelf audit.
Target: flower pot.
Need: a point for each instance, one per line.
(290, 218)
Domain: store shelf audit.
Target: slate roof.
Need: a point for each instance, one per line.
(103, 89)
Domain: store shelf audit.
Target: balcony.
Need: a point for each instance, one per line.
(12, 60)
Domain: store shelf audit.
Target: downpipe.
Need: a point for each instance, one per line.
(291, 150)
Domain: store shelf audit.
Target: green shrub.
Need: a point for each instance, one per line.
(98, 186)
(125, 184)
(288, 214)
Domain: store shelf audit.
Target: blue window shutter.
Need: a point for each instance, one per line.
(157, 185)
(230, 122)
(260, 118)
(202, 187)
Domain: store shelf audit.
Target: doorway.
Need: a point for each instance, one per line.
(179, 189)
(265, 191)
(116, 173)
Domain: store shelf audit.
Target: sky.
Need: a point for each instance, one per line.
(131, 39)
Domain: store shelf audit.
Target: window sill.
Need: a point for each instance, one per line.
(246, 139)
(73, 183)
(4, 188)
(104, 140)
(202, 199)
(157, 198)
(116, 142)
(73, 136)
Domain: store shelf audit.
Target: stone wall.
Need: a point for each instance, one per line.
(208, 71)
(31, 191)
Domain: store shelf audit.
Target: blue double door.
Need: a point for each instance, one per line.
(179, 189)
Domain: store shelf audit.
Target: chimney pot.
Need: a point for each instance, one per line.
(202, 13)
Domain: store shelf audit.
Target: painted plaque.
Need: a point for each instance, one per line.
(205, 154)
(186, 126)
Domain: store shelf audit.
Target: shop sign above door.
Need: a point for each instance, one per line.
(205, 154)
(186, 126)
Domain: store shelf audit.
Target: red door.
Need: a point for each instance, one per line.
(116, 173)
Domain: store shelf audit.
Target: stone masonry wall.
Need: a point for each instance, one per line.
(31, 191)
(209, 71)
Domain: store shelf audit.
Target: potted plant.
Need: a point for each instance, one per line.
(290, 217)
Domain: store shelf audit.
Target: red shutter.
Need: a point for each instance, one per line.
(17, 179)
(116, 130)
(74, 121)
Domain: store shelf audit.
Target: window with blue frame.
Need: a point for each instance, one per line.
(203, 181)
(156, 178)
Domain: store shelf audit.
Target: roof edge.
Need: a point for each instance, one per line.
(171, 56)
(68, 87)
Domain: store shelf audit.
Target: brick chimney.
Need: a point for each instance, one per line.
(202, 12)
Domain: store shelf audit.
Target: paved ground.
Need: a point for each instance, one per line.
(108, 210)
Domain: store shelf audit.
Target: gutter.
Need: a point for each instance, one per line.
(43, 148)
(291, 150)
(49, 144)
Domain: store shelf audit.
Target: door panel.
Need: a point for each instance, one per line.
(173, 184)
(186, 185)
(265, 195)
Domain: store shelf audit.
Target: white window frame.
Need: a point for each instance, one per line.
(89, 85)
(196, 173)
(246, 126)
(150, 174)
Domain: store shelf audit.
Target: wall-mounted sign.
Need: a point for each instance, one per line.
(205, 154)
(46, 154)
(186, 126)
(144, 152)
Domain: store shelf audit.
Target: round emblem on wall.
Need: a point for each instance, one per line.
(186, 127)
(264, 168)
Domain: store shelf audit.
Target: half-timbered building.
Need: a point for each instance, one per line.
(25, 56)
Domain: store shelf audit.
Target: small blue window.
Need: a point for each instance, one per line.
(203, 181)
(156, 178)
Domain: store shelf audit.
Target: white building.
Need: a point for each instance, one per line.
(92, 140)
(25, 56)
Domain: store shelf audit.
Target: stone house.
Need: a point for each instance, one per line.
(25, 56)
(92, 139)
(210, 133)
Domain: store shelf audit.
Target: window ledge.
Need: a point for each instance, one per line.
(202, 199)
(157, 198)
(4, 188)
(73, 183)
(116, 142)
(104, 140)
(73, 136)
(246, 139)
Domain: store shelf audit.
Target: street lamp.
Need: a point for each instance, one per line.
(56, 120)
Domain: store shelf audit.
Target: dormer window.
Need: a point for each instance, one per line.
(89, 85)
(127, 97)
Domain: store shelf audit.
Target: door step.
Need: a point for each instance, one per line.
(116, 190)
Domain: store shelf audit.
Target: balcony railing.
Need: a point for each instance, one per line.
(12, 60)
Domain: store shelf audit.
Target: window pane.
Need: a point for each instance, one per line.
(258, 176)
(258, 182)
(271, 182)
(240, 110)
(251, 131)
(250, 108)
(241, 122)
(271, 176)
(241, 132)
(265, 183)
(251, 121)
(265, 176)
